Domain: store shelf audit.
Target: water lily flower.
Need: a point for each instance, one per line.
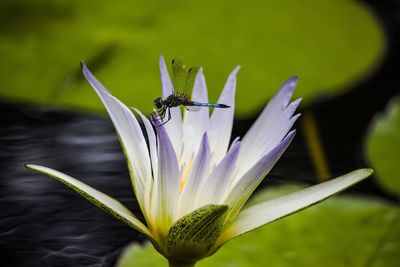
(191, 183)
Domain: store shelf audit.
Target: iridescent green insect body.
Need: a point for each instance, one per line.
(183, 83)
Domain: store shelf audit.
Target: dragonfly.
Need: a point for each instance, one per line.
(183, 82)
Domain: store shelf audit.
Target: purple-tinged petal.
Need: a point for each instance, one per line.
(277, 104)
(282, 98)
(221, 120)
(130, 136)
(245, 186)
(281, 126)
(269, 211)
(166, 187)
(174, 126)
(216, 186)
(154, 163)
(195, 123)
(199, 172)
(270, 127)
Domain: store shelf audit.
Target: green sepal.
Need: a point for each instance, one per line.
(191, 237)
(101, 200)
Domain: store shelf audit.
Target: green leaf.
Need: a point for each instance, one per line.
(341, 231)
(383, 146)
(101, 200)
(329, 44)
(190, 238)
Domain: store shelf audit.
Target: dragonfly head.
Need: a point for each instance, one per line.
(158, 102)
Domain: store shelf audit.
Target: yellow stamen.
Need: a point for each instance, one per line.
(185, 174)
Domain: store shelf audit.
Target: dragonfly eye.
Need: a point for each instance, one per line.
(158, 102)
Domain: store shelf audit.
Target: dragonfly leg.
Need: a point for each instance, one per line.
(169, 116)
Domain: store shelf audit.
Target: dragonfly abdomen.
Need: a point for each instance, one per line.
(211, 105)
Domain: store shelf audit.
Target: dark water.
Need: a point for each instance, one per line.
(44, 223)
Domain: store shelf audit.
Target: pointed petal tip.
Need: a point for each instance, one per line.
(290, 135)
(286, 141)
(205, 136)
(33, 167)
(368, 171)
(235, 146)
(205, 141)
(295, 104)
(291, 82)
(162, 60)
(137, 111)
(85, 69)
(235, 70)
(28, 165)
(295, 117)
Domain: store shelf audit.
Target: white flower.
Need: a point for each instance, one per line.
(190, 182)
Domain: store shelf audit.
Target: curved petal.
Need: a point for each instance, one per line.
(215, 188)
(174, 126)
(270, 127)
(189, 195)
(221, 120)
(166, 187)
(275, 209)
(246, 185)
(195, 123)
(130, 136)
(154, 164)
(101, 200)
(282, 124)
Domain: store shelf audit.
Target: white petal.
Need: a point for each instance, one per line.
(199, 172)
(221, 120)
(130, 135)
(215, 188)
(246, 185)
(272, 210)
(154, 164)
(270, 127)
(195, 123)
(103, 201)
(174, 126)
(168, 180)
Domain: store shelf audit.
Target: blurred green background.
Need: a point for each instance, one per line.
(333, 46)
(330, 44)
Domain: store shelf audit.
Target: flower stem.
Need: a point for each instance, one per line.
(181, 264)
(315, 146)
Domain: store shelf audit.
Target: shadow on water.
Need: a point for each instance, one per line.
(44, 223)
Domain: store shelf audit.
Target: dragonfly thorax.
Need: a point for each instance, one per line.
(158, 103)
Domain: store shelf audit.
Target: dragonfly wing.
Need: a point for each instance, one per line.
(178, 75)
(189, 82)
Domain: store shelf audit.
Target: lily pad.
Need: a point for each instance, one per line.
(342, 231)
(329, 44)
(383, 146)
